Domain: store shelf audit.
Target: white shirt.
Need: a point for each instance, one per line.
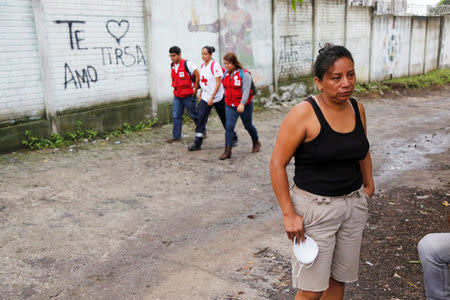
(208, 81)
(191, 67)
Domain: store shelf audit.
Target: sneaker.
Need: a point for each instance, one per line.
(194, 147)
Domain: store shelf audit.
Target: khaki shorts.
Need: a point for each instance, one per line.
(336, 224)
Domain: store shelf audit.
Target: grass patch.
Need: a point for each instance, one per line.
(79, 134)
(373, 87)
(434, 79)
(128, 129)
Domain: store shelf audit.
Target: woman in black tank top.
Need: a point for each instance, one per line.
(326, 135)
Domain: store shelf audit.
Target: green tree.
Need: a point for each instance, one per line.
(301, 1)
(444, 2)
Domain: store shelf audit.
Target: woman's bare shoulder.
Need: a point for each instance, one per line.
(301, 110)
(295, 124)
(298, 118)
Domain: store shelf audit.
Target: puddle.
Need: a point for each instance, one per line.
(406, 154)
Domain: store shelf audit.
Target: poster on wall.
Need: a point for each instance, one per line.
(242, 27)
(234, 27)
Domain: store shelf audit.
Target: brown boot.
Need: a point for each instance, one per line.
(226, 154)
(256, 146)
(172, 140)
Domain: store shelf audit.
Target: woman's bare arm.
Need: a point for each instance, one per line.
(292, 132)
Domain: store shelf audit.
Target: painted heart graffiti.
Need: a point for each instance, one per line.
(117, 29)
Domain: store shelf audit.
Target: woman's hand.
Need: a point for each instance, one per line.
(211, 101)
(369, 190)
(293, 225)
(240, 108)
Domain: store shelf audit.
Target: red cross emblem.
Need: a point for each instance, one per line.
(204, 80)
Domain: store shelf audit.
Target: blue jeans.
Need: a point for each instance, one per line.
(177, 113)
(246, 118)
(434, 252)
(203, 111)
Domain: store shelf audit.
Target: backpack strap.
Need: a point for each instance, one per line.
(241, 74)
(212, 68)
(187, 70)
(224, 71)
(252, 84)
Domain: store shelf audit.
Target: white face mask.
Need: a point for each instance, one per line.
(305, 252)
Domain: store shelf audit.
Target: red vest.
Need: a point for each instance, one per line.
(233, 89)
(182, 83)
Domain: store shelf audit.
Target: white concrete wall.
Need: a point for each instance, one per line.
(418, 42)
(400, 41)
(432, 43)
(21, 94)
(329, 22)
(358, 39)
(390, 47)
(102, 57)
(93, 52)
(444, 61)
(384, 47)
(293, 39)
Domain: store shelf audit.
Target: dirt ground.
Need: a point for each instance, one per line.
(135, 218)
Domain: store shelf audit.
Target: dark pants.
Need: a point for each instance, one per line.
(177, 113)
(203, 111)
(246, 117)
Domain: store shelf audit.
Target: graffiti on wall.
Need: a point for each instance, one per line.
(116, 55)
(234, 28)
(439, 10)
(116, 30)
(294, 56)
(391, 48)
(360, 2)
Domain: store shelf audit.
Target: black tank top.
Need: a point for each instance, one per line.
(328, 165)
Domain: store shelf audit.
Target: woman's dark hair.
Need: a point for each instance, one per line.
(232, 58)
(175, 49)
(210, 49)
(328, 55)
